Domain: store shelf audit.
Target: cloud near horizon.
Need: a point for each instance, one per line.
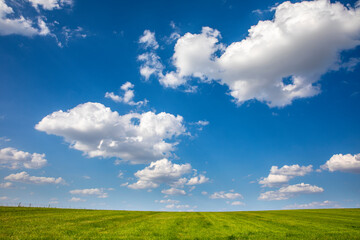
(280, 176)
(290, 191)
(24, 177)
(165, 172)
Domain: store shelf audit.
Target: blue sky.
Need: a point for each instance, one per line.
(180, 106)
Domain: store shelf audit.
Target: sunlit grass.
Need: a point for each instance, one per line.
(51, 223)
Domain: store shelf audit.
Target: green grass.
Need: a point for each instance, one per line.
(50, 223)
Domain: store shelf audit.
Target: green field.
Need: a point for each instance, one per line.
(51, 223)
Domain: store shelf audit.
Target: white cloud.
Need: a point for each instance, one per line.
(99, 192)
(14, 159)
(351, 64)
(225, 195)
(168, 201)
(280, 60)
(99, 132)
(50, 4)
(160, 172)
(290, 191)
(204, 193)
(14, 22)
(151, 65)
(173, 191)
(124, 184)
(120, 174)
(279, 176)
(202, 123)
(324, 204)
(148, 40)
(19, 25)
(344, 163)
(175, 206)
(68, 34)
(75, 199)
(6, 185)
(26, 178)
(4, 198)
(197, 180)
(237, 203)
(128, 95)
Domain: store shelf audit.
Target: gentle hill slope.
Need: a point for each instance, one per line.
(50, 223)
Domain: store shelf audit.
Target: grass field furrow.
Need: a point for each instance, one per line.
(47, 223)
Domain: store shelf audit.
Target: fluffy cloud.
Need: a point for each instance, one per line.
(151, 65)
(50, 4)
(75, 199)
(324, 204)
(197, 180)
(237, 203)
(160, 172)
(225, 195)
(99, 192)
(128, 95)
(175, 206)
(344, 163)
(202, 123)
(279, 176)
(6, 185)
(173, 191)
(19, 25)
(14, 159)
(148, 40)
(26, 178)
(280, 60)
(99, 132)
(168, 201)
(290, 191)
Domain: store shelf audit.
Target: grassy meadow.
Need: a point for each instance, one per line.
(52, 223)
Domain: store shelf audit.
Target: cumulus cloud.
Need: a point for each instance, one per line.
(99, 132)
(225, 195)
(280, 176)
(197, 180)
(202, 123)
(344, 163)
(280, 60)
(148, 40)
(14, 159)
(290, 191)
(6, 185)
(98, 192)
(75, 199)
(176, 206)
(16, 20)
(19, 25)
(173, 191)
(151, 65)
(50, 4)
(26, 178)
(237, 203)
(324, 204)
(128, 97)
(160, 172)
(167, 201)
